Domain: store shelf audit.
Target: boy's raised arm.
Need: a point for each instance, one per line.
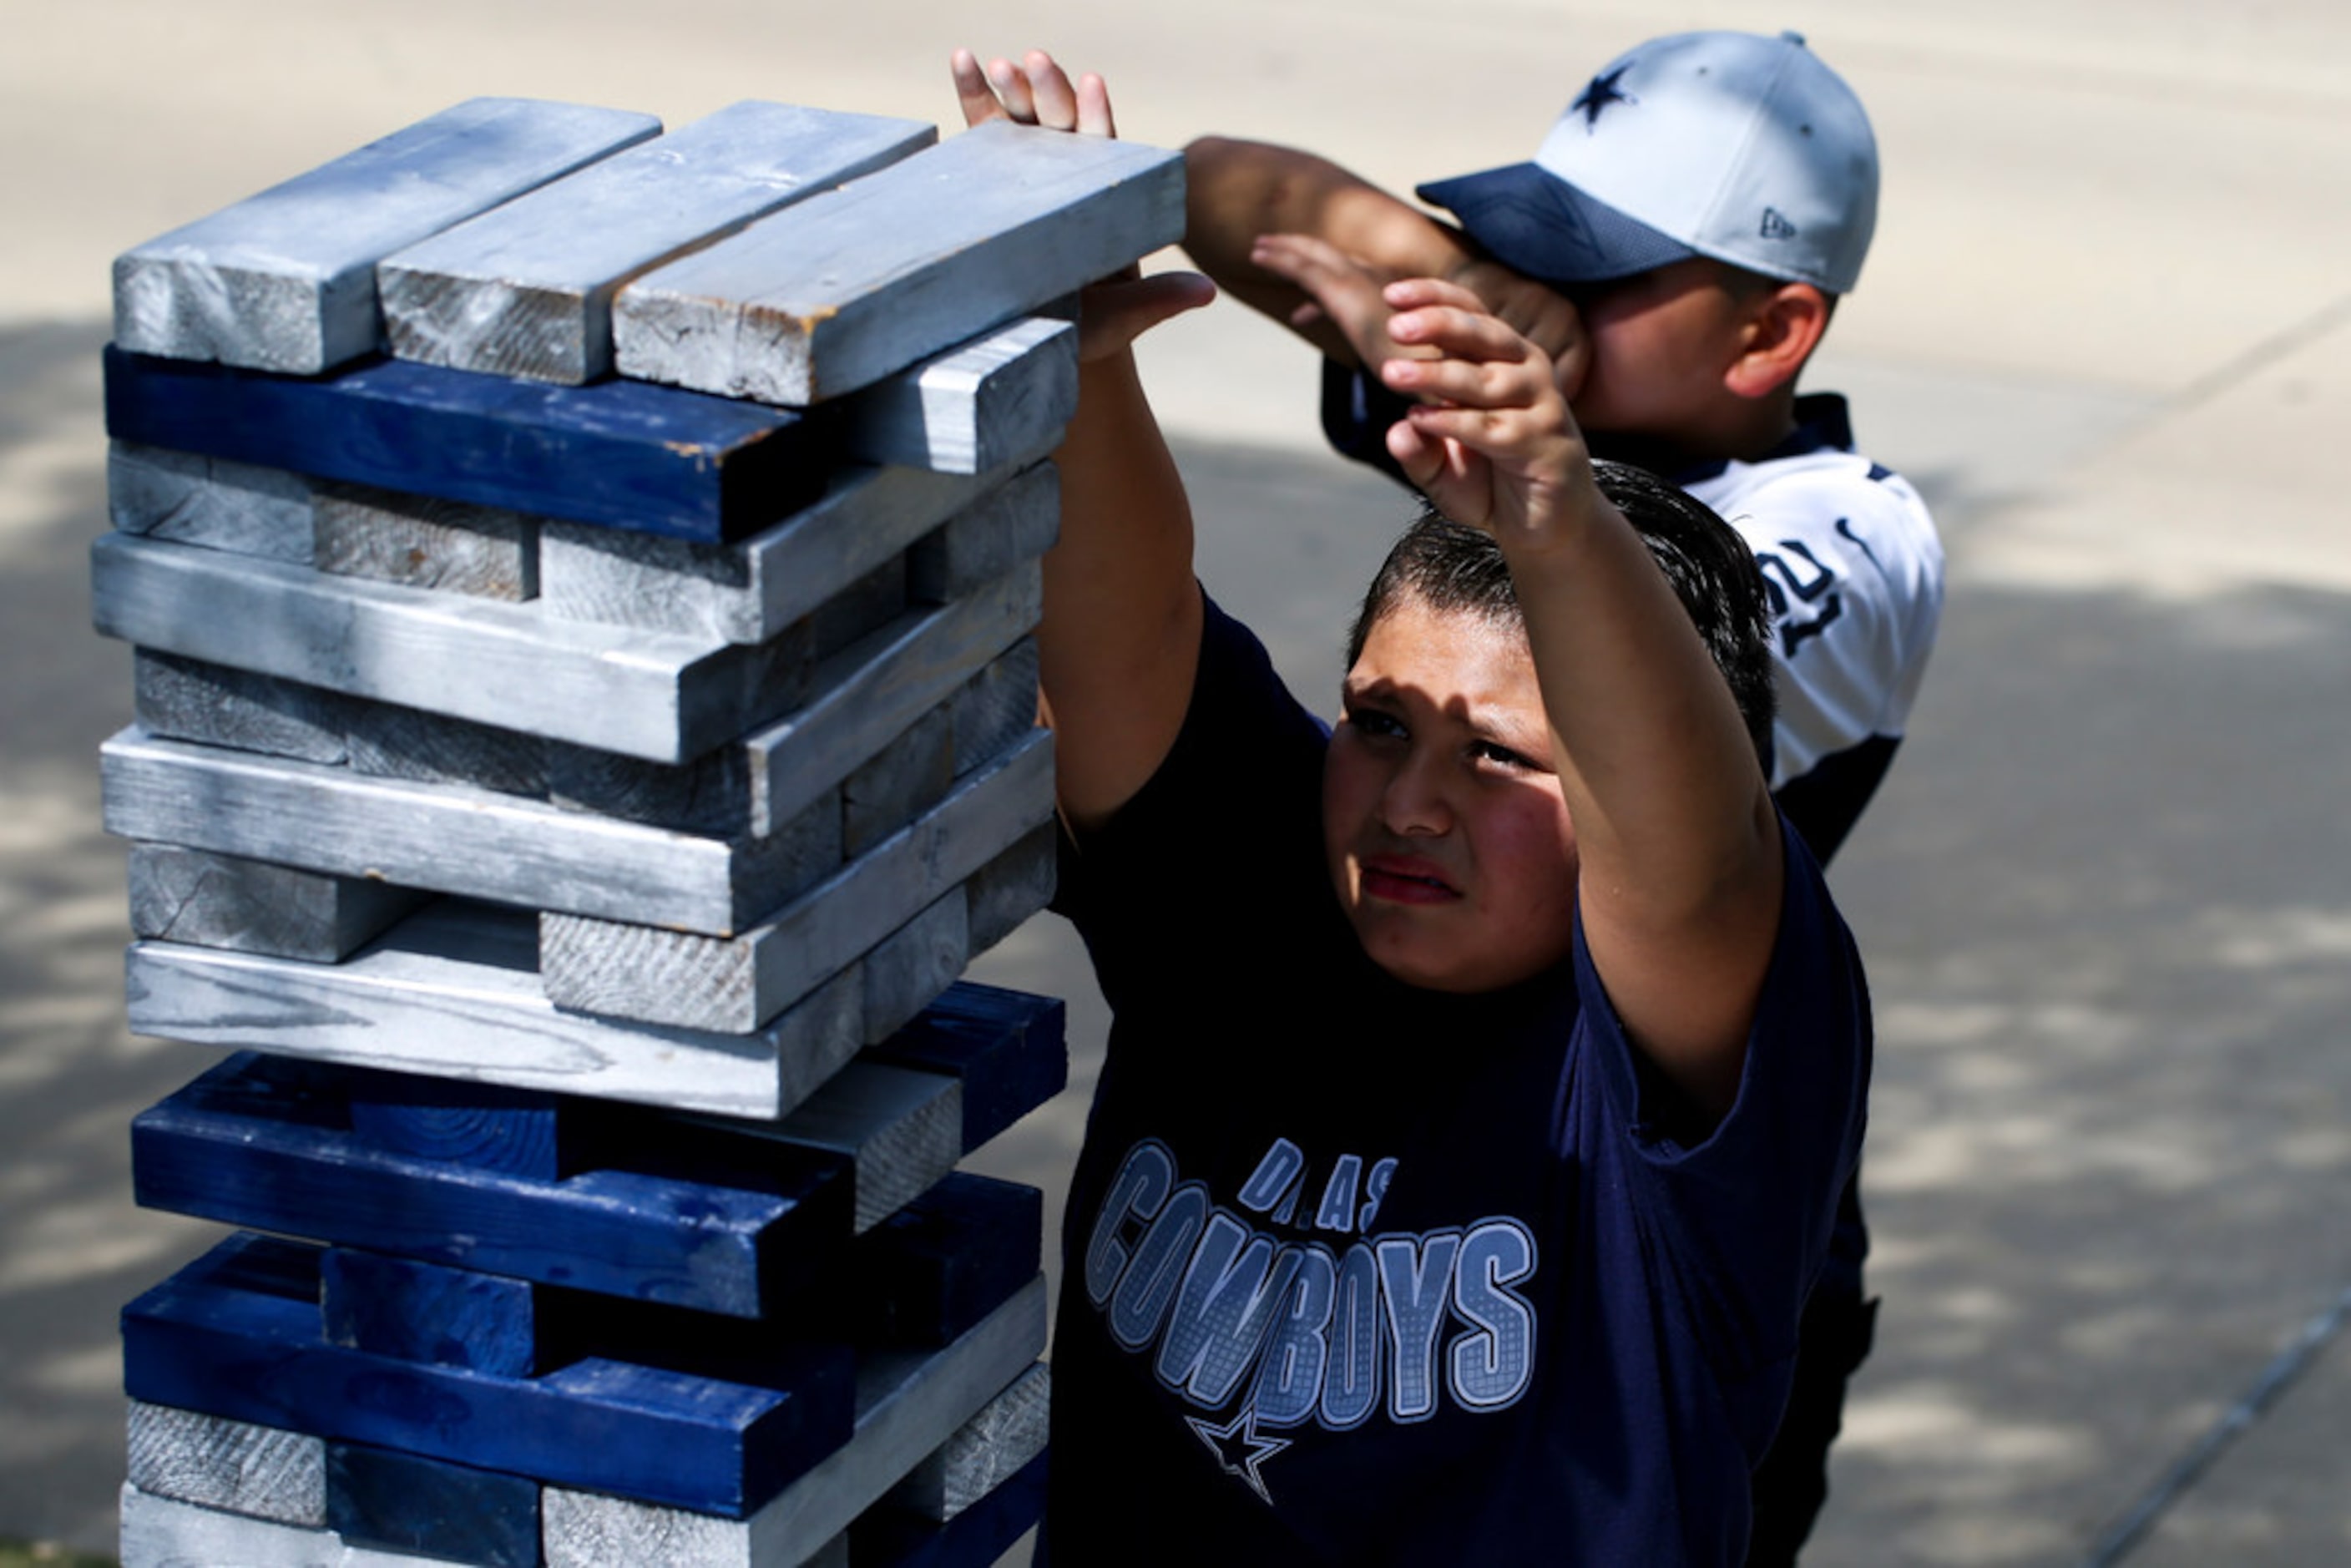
(1680, 863)
(1238, 193)
(1120, 641)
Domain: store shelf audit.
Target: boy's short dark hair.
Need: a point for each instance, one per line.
(1461, 570)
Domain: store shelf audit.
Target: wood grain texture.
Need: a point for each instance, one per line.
(996, 707)
(645, 694)
(189, 499)
(265, 1142)
(284, 281)
(423, 1311)
(617, 454)
(906, 778)
(384, 740)
(875, 690)
(631, 970)
(162, 1532)
(914, 964)
(974, 406)
(454, 992)
(406, 1503)
(901, 1127)
(449, 838)
(861, 282)
(184, 895)
(217, 704)
(748, 592)
(425, 541)
(264, 1472)
(1010, 888)
(487, 1125)
(526, 289)
(238, 1334)
(983, 542)
(907, 1404)
(986, 1451)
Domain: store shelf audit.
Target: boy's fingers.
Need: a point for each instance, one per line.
(1470, 382)
(1095, 117)
(1414, 293)
(1115, 313)
(1012, 92)
(972, 91)
(1054, 99)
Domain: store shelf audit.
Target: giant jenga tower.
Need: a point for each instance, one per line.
(583, 580)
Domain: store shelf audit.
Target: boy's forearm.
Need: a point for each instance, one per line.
(1119, 644)
(1239, 190)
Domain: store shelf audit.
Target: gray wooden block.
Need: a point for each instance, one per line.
(750, 591)
(385, 741)
(710, 794)
(526, 289)
(907, 969)
(424, 541)
(158, 1533)
(903, 780)
(214, 704)
(1010, 888)
(642, 971)
(455, 993)
(647, 693)
(861, 282)
(974, 406)
(284, 281)
(211, 502)
(179, 894)
(985, 1452)
(1016, 523)
(449, 838)
(907, 1406)
(901, 1129)
(873, 691)
(860, 609)
(997, 707)
(235, 1466)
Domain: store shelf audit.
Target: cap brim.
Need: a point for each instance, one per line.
(1533, 222)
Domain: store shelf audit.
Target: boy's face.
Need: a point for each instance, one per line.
(1660, 342)
(1443, 823)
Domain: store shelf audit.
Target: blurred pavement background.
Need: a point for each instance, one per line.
(2106, 896)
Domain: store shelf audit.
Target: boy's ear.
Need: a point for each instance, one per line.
(1780, 327)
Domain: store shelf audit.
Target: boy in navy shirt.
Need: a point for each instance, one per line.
(1484, 1070)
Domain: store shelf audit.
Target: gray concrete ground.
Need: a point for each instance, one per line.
(2103, 897)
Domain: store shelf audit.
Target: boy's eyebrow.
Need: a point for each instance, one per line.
(1486, 724)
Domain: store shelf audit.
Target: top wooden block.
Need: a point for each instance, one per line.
(526, 289)
(855, 284)
(284, 281)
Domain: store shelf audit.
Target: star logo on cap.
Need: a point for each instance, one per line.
(1598, 94)
(1239, 1449)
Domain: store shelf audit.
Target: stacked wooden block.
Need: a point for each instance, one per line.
(583, 580)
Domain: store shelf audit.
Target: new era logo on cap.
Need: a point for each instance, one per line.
(1732, 145)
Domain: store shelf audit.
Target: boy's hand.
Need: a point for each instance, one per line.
(1117, 309)
(1490, 443)
(1537, 312)
(1342, 289)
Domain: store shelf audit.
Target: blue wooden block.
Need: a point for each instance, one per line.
(238, 1334)
(929, 1273)
(886, 1537)
(422, 1312)
(380, 1497)
(919, 1280)
(484, 1124)
(622, 455)
(1009, 1048)
(698, 1216)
